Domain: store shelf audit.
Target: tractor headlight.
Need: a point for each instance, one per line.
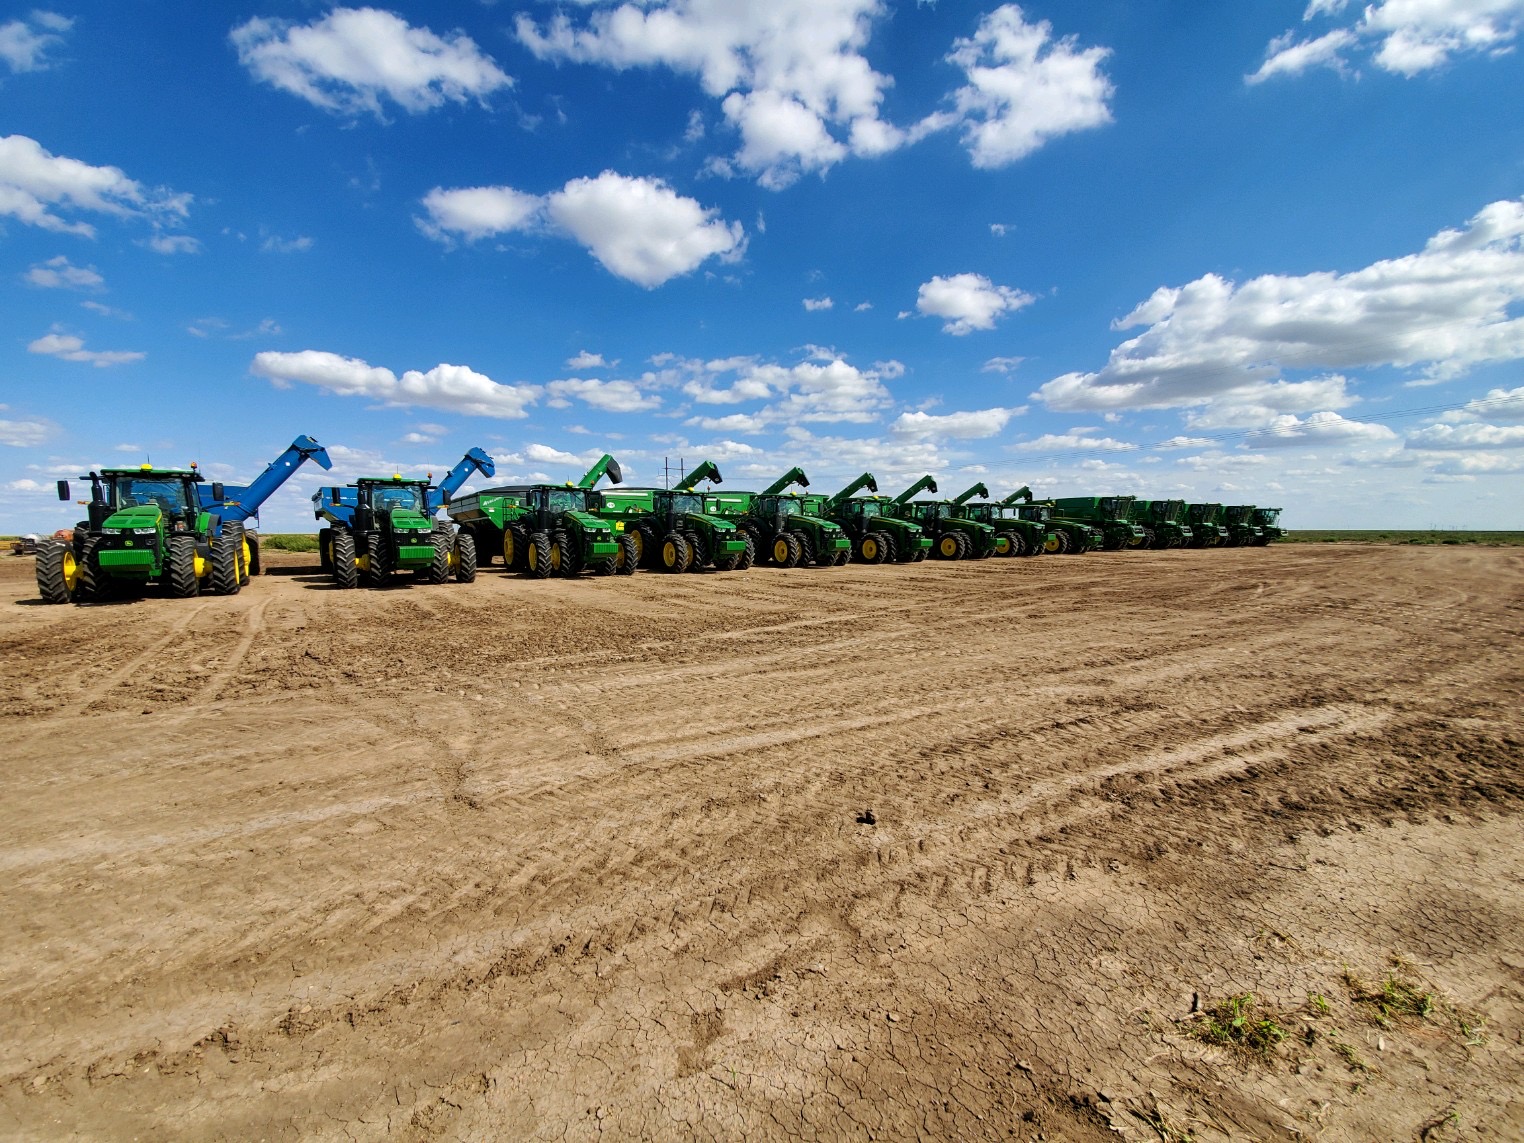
(112, 531)
(145, 531)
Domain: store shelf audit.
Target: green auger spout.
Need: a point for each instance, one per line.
(977, 490)
(606, 466)
(927, 483)
(1022, 493)
(794, 475)
(866, 480)
(707, 471)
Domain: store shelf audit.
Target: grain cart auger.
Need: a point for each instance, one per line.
(877, 537)
(606, 465)
(952, 536)
(338, 503)
(144, 525)
(1108, 514)
(670, 528)
(385, 525)
(1207, 527)
(784, 524)
(240, 503)
(1063, 537)
(1013, 535)
(548, 529)
(1163, 523)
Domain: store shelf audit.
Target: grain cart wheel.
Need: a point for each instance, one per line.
(181, 567)
(870, 549)
(342, 550)
(537, 555)
(378, 563)
(58, 572)
(698, 552)
(325, 549)
(465, 557)
(749, 556)
(439, 567)
(629, 554)
(245, 558)
(674, 553)
(225, 560)
(515, 548)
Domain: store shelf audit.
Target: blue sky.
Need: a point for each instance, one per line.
(1265, 253)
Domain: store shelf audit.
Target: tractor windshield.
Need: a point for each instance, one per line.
(166, 492)
(687, 502)
(782, 505)
(866, 508)
(566, 500)
(1267, 515)
(979, 513)
(385, 497)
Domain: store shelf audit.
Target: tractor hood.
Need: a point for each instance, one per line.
(410, 520)
(137, 516)
(590, 523)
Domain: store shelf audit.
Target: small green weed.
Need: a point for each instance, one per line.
(290, 542)
(1167, 1131)
(1318, 1003)
(1394, 998)
(1233, 1023)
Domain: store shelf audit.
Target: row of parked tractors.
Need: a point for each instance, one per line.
(170, 527)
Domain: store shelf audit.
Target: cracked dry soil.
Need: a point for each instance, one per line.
(954, 850)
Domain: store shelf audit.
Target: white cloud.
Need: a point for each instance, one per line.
(1073, 439)
(1024, 88)
(1290, 431)
(34, 183)
(814, 305)
(275, 244)
(24, 43)
(1480, 464)
(544, 454)
(586, 360)
(968, 302)
(353, 59)
(731, 423)
(1405, 37)
(173, 244)
(638, 228)
(614, 396)
(1506, 405)
(24, 434)
(106, 311)
(1001, 364)
(60, 274)
(1446, 309)
(455, 388)
(67, 347)
(1478, 436)
(971, 425)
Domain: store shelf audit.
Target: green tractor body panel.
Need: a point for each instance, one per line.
(1163, 521)
(1013, 535)
(534, 523)
(1109, 514)
(869, 522)
(653, 515)
(784, 526)
(1208, 525)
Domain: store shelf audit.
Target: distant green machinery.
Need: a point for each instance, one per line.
(876, 536)
(1268, 521)
(670, 528)
(782, 524)
(1014, 536)
(1249, 526)
(1063, 536)
(1108, 514)
(953, 536)
(1163, 522)
(1208, 525)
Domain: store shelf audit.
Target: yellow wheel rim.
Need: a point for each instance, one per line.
(780, 551)
(534, 558)
(508, 548)
(640, 547)
(949, 546)
(70, 570)
(1002, 544)
(870, 549)
(555, 557)
(246, 557)
(1050, 544)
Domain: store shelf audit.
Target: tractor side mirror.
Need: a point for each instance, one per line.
(217, 491)
(63, 490)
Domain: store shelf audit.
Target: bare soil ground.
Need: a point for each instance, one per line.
(953, 850)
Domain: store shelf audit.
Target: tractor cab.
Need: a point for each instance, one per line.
(679, 503)
(778, 506)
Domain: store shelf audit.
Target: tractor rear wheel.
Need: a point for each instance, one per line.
(947, 546)
(749, 556)
(537, 555)
(378, 564)
(439, 567)
(674, 553)
(628, 558)
(325, 549)
(225, 551)
(56, 568)
(698, 553)
(806, 550)
(515, 548)
(870, 549)
(465, 556)
(341, 547)
(565, 555)
(180, 572)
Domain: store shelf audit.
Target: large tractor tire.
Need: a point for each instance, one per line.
(58, 572)
(566, 554)
(674, 553)
(341, 547)
(947, 546)
(378, 564)
(226, 549)
(870, 549)
(439, 567)
(465, 556)
(245, 558)
(515, 548)
(1007, 544)
(698, 552)
(325, 549)
(806, 550)
(749, 556)
(628, 558)
(254, 565)
(180, 567)
(649, 541)
(537, 556)
(784, 550)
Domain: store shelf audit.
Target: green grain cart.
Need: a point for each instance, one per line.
(1268, 521)
(1163, 522)
(1014, 536)
(1249, 526)
(547, 529)
(1208, 526)
(1063, 536)
(1108, 514)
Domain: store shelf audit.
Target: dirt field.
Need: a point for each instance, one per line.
(949, 851)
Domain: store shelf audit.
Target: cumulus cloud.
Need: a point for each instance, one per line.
(1506, 405)
(639, 229)
(1468, 436)
(1479, 464)
(455, 388)
(354, 59)
(1405, 37)
(613, 396)
(24, 43)
(1317, 428)
(1074, 439)
(24, 434)
(968, 302)
(61, 274)
(586, 360)
(36, 185)
(815, 305)
(1024, 88)
(67, 347)
(823, 388)
(974, 424)
(1447, 308)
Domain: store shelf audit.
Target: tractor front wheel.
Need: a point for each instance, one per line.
(749, 556)
(947, 546)
(566, 555)
(57, 571)
(341, 550)
(226, 548)
(439, 567)
(870, 549)
(628, 558)
(181, 576)
(378, 562)
(674, 553)
(537, 555)
(698, 554)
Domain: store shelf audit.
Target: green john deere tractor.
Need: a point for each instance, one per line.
(953, 536)
(1246, 525)
(1063, 536)
(1013, 535)
(783, 525)
(875, 535)
(145, 525)
(1163, 523)
(1108, 514)
(1208, 529)
(670, 528)
(385, 524)
(547, 529)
